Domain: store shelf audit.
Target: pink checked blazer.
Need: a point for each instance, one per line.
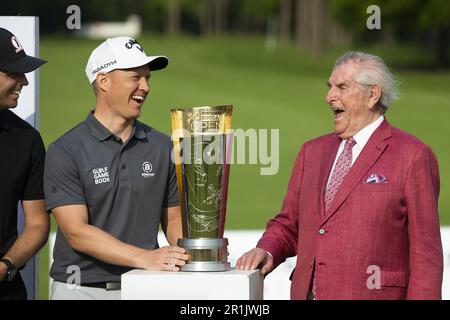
(379, 240)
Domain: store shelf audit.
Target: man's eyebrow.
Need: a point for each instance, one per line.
(339, 84)
(343, 83)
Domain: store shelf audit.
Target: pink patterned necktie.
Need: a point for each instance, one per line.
(341, 168)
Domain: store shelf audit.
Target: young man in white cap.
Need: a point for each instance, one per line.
(110, 182)
(21, 171)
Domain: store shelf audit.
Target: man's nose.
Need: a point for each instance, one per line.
(143, 85)
(330, 97)
(23, 80)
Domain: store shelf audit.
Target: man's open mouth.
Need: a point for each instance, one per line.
(337, 110)
(138, 99)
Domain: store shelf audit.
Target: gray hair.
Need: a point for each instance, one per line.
(374, 72)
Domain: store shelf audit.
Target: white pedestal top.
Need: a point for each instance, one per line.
(164, 285)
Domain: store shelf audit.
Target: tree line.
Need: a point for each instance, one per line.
(314, 25)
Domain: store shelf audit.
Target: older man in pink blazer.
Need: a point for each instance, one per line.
(361, 210)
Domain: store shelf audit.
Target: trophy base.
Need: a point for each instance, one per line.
(207, 254)
(203, 266)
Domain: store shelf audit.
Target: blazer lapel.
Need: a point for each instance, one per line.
(368, 156)
(329, 154)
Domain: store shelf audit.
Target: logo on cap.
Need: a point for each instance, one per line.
(104, 66)
(133, 42)
(16, 44)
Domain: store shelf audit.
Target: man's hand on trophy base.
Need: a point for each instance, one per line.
(169, 258)
(256, 258)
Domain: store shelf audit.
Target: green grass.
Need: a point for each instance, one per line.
(283, 88)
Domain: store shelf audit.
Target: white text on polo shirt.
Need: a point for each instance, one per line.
(101, 175)
(147, 168)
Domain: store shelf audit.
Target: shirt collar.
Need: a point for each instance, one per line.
(100, 132)
(138, 130)
(4, 123)
(97, 129)
(364, 134)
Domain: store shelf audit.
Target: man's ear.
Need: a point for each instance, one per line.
(374, 95)
(103, 82)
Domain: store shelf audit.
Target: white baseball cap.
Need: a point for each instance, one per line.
(121, 53)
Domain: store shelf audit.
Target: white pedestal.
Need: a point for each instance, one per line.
(163, 285)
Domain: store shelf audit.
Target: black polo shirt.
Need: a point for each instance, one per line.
(22, 156)
(125, 187)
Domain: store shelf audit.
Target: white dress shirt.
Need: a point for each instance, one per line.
(361, 139)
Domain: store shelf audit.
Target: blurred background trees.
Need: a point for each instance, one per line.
(313, 25)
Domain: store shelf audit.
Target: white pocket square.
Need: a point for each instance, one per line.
(376, 178)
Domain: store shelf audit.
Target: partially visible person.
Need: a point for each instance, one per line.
(21, 172)
(361, 209)
(110, 182)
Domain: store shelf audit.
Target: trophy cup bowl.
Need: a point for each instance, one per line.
(202, 147)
